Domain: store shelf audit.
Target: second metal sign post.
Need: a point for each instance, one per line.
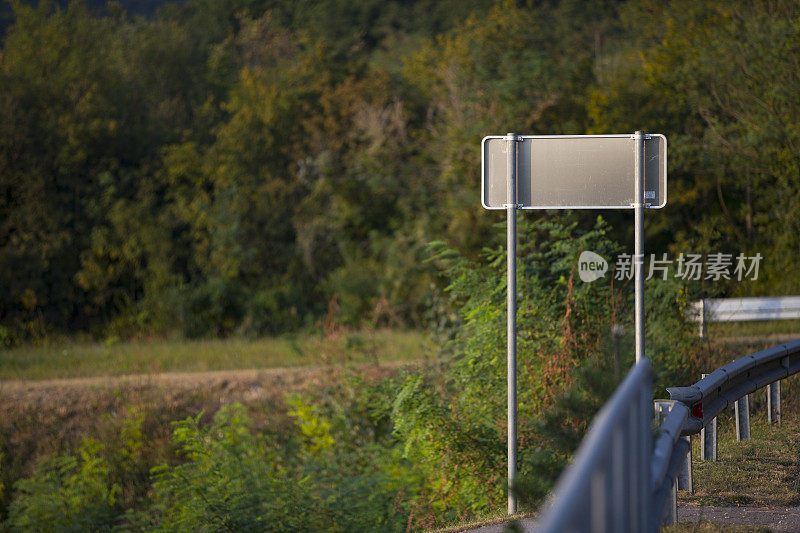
(511, 341)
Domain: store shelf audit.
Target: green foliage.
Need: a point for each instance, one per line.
(67, 493)
(234, 479)
(451, 425)
(560, 320)
(672, 343)
(719, 79)
(213, 309)
(315, 430)
(234, 167)
(226, 483)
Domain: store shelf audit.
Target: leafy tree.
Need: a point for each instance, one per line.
(719, 80)
(60, 130)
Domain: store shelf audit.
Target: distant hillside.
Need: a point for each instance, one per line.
(329, 18)
(144, 8)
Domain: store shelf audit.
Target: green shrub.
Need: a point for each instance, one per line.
(271, 311)
(452, 425)
(213, 308)
(236, 480)
(671, 341)
(355, 286)
(66, 493)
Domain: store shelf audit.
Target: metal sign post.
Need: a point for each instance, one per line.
(638, 244)
(511, 339)
(569, 172)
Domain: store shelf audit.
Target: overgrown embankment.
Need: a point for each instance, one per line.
(369, 448)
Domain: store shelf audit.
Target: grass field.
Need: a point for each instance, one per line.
(719, 331)
(762, 471)
(65, 360)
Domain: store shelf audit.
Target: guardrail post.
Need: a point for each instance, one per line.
(703, 325)
(774, 403)
(708, 439)
(671, 516)
(685, 474)
(743, 418)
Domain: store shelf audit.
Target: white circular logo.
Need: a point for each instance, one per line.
(591, 266)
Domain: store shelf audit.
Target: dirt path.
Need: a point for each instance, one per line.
(778, 519)
(227, 385)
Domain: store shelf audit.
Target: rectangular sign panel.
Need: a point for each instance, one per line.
(573, 171)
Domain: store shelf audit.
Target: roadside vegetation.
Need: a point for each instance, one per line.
(419, 448)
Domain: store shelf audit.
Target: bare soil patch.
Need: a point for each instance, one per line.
(228, 385)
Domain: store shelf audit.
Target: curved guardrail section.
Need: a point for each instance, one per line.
(724, 386)
(607, 486)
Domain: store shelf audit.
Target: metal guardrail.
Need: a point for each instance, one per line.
(724, 386)
(608, 485)
(615, 483)
(743, 309)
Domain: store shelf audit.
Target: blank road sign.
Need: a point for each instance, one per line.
(573, 171)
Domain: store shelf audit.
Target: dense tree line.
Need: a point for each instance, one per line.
(248, 166)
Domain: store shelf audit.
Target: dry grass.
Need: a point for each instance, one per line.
(115, 358)
(765, 329)
(497, 517)
(764, 471)
(759, 472)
